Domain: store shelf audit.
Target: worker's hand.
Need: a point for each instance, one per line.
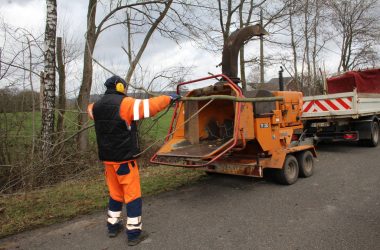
(175, 97)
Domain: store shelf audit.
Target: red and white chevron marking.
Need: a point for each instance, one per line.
(333, 104)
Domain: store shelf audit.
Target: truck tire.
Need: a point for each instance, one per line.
(306, 163)
(374, 141)
(289, 172)
(375, 132)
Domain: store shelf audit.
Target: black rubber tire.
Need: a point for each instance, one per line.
(289, 172)
(374, 141)
(375, 136)
(305, 163)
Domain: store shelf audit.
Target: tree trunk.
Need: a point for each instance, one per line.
(48, 106)
(262, 80)
(61, 89)
(315, 34)
(228, 22)
(33, 101)
(294, 48)
(242, 56)
(85, 89)
(307, 46)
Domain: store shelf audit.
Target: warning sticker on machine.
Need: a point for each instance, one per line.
(264, 125)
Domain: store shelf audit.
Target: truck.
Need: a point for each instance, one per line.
(350, 111)
(220, 130)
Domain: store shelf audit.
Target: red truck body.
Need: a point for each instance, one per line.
(367, 81)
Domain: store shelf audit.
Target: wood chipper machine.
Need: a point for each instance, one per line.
(218, 129)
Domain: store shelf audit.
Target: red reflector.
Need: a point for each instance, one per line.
(349, 136)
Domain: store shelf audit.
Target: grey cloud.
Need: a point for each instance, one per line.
(19, 2)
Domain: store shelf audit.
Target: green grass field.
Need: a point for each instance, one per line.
(65, 200)
(160, 129)
(22, 124)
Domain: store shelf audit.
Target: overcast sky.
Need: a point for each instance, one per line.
(160, 54)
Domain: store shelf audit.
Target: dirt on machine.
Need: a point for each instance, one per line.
(219, 129)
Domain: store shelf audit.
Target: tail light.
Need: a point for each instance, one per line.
(350, 136)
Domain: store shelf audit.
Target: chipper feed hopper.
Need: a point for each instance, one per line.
(218, 129)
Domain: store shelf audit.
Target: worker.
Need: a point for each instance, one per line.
(116, 116)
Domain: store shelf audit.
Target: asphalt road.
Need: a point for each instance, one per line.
(337, 208)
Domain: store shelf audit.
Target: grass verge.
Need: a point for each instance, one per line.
(20, 212)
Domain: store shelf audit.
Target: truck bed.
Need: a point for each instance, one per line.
(341, 105)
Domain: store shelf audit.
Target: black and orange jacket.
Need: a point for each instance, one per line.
(115, 117)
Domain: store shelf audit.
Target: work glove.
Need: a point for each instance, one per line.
(174, 97)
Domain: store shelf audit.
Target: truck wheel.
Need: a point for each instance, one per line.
(289, 172)
(306, 163)
(374, 141)
(374, 134)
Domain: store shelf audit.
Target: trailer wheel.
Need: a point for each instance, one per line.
(289, 172)
(306, 163)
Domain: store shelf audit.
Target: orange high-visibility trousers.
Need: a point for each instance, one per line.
(123, 180)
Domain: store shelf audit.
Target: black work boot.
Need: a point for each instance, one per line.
(114, 230)
(143, 236)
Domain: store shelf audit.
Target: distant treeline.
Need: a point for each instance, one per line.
(15, 100)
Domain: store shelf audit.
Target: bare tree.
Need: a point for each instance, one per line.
(20, 61)
(84, 92)
(153, 27)
(244, 23)
(225, 25)
(61, 88)
(315, 36)
(307, 43)
(93, 33)
(48, 102)
(308, 33)
(294, 43)
(357, 27)
(67, 52)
